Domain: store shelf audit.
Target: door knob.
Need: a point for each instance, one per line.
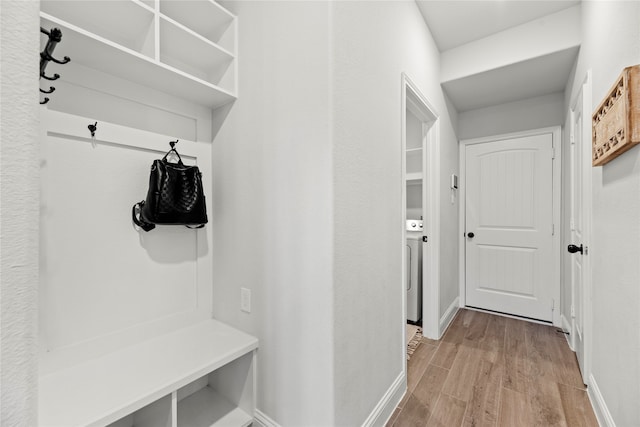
(573, 249)
(470, 235)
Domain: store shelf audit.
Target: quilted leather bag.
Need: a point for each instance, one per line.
(175, 196)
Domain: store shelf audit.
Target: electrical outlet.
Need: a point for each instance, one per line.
(245, 300)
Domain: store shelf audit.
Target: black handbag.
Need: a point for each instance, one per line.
(175, 196)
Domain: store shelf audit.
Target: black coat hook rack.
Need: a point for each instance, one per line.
(55, 37)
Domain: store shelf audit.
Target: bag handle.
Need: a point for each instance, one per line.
(146, 226)
(173, 149)
(195, 227)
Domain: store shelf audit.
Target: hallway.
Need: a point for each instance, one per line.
(490, 370)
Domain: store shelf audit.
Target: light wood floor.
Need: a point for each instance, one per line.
(490, 370)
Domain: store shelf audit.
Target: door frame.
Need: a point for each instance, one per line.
(411, 94)
(556, 133)
(583, 94)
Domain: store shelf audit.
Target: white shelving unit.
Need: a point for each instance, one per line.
(414, 178)
(202, 58)
(414, 164)
(185, 48)
(196, 372)
(190, 13)
(201, 375)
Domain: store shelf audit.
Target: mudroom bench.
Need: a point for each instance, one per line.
(200, 375)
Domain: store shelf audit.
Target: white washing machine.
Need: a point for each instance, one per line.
(414, 270)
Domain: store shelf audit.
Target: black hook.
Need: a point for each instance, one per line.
(46, 56)
(173, 144)
(55, 37)
(92, 128)
(56, 76)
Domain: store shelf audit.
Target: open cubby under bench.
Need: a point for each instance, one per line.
(201, 375)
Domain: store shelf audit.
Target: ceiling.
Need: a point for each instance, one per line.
(454, 23)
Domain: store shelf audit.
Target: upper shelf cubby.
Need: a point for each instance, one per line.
(204, 17)
(127, 23)
(185, 48)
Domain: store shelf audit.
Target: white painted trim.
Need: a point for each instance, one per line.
(556, 133)
(510, 316)
(586, 94)
(587, 218)
(511, 135)
(431, 208)
(403, 215)
(557, 220)
(380, 415)
(567, 327)
(599, 405)
(568, 217)
(416, 91)
(261, 419)
(462, 221)
(383, 411)
(448, 317)
(431, 300)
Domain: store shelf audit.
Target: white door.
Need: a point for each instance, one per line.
(509, 226)
(580, 168)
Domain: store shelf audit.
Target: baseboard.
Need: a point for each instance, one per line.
(380, 415)
(566, 327)
(599, 406)
(383, 411)
(263, 420)
(448, 316)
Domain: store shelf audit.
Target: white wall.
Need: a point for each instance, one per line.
(373, 43)
(19, 212)
(273, 206)
(309, 148)
(414, 201)
(533, 113)
(615, 248)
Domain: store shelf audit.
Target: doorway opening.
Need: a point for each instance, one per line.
(420, 211)
(510, 218)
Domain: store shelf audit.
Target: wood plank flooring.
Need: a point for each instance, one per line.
(489, 370)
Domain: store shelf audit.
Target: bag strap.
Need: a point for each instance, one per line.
(173, 150)
(146, 226)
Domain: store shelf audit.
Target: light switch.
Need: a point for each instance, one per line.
(245, 300)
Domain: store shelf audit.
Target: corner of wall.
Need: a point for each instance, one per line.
(448, 316)
(19, 212)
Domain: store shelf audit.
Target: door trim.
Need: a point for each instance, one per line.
(586, 95)
(411, 94)
(556, 133)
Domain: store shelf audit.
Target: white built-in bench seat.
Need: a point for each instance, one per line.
(200, 375)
